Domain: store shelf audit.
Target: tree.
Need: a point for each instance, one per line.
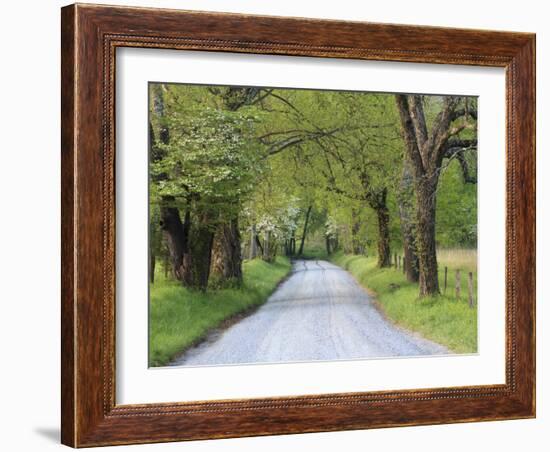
(360, 163)
(245, 171)
(206, 167)
(331, 235)
(304, 232)
(226, 252)
(227, 258)
(174, 231)
(349, 140)
(406, 214)
(427, 148)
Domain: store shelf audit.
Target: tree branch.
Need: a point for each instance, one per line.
(408, 131)
(463, 112)
(416, 112)
(456, 149)
(281, 145)
(441, 130)
(453, 146)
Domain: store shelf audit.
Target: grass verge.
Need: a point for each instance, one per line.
(442, 319)
(179, 317)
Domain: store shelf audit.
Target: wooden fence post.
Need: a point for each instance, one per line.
(399, 262)
(457, 284)
(404, 265)
(445, 283)
(471, 289)
(395, 259)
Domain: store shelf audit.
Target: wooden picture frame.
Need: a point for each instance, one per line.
(90, 36)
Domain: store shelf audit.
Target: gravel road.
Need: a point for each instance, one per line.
(319, 313)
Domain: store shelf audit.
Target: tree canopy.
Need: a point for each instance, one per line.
(249, 172)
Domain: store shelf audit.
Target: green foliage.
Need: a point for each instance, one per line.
(456, 215)
(210, 159)
(357, 153)
(443, 319)
(155, 237)
(179, 317)
(224, 155)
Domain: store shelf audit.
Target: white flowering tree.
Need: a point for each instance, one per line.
(206, 167)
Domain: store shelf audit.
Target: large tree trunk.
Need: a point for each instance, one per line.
(226, 253)
(196, 262)
(410, 252)
(259, 245)
(426, 151)
(408, 231)
(301, 250)
(384, 254)
(175, 234)
(189, 245)
(426, 202)
(355, 228)
(377, 200)
(152, 262)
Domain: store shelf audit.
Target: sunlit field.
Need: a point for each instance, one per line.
(461, 258)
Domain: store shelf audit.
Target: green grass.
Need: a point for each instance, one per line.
(179, 317)
(442, 319)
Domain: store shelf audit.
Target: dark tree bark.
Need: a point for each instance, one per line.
(266, 256)
(457, 149)
(377, 200)
(426, 201)
(301, 250)
(327, 245)
(197, 261)
(226, 253)
(384, 254)
(410, 251)
(259, 245)
(189, 245)
(408, 230)
(355, 227)
(152, 262)
(175, 235)
(420, 151)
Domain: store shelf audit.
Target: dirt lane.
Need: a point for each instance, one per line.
(319, 313)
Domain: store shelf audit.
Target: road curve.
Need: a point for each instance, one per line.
(319, 313)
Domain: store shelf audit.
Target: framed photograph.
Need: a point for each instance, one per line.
(280, 225)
